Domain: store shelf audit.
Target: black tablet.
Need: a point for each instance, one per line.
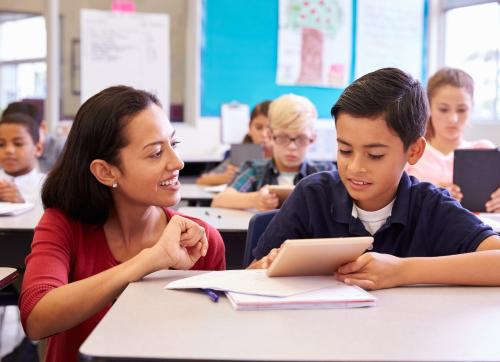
(477, 173)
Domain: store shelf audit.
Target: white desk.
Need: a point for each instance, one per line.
(491, 219)
(407, 324)
(7, 276)
(224, 220)
(25, 221)
(195, 194)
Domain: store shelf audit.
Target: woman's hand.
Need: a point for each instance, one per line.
(9, 192)
(453, 189)
(266, 200)
(372, 271)
(493, 205)
(182, 243)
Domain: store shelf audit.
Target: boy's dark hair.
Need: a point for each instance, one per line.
(261, 109)
(25, 121)
(97, 133)
(24, 108)
(389, 93)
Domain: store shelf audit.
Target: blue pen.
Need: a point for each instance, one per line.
(211, 294)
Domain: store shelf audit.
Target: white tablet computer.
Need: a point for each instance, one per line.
(300, 257)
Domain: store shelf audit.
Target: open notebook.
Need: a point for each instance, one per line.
(253, 289)
(10, 208)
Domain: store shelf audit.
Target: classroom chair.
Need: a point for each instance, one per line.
(258, 223)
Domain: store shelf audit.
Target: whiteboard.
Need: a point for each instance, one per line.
(125, 49)
(390, 33)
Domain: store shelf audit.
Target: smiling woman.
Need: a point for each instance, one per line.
(106, 221)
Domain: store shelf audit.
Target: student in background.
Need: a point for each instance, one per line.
(450, 92)
(106, 221)
(292, 119)
(51, 147)
(258, 133)
(20, 180)
(418, 228)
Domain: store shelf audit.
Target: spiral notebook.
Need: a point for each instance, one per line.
(339, 295)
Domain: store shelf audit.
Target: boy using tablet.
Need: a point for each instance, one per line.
(421, 234)
(292, 119)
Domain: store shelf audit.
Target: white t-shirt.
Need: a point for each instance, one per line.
(372, 220)
(286, 178)
(29, 185)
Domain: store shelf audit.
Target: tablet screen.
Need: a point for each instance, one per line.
(477, 173)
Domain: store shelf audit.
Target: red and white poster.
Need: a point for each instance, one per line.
(314, 43)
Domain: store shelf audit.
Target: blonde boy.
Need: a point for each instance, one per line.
(292, 119)
(20, 181)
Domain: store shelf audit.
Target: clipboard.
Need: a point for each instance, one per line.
(477, 173)
(234, 122)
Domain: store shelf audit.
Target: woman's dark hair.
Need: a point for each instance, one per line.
(389, 93)
(25, 121)
(97, 133)
(443, 77)
(261, 109)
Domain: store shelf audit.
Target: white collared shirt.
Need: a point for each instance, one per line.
(29, 185)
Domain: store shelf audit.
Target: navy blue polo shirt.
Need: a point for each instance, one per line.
(425, 220)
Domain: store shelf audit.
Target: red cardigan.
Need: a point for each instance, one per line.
(64, 251)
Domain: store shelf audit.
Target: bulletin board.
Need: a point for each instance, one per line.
(239, 53)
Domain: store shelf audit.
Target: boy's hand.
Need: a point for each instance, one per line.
(9, 192)
(266, 200)
(493, 205)
(453, 189)
(266, 261)
(372, 271)
(182, 243)
(228, 175)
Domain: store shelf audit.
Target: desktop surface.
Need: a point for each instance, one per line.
(421, 323)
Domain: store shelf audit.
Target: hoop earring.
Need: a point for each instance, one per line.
(114, 185)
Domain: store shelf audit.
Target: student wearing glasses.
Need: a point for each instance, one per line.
(292, 120)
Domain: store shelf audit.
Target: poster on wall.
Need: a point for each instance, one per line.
(120, 48)
(389, 33)
(314, 43)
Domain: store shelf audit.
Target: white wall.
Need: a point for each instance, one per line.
(484, 131)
